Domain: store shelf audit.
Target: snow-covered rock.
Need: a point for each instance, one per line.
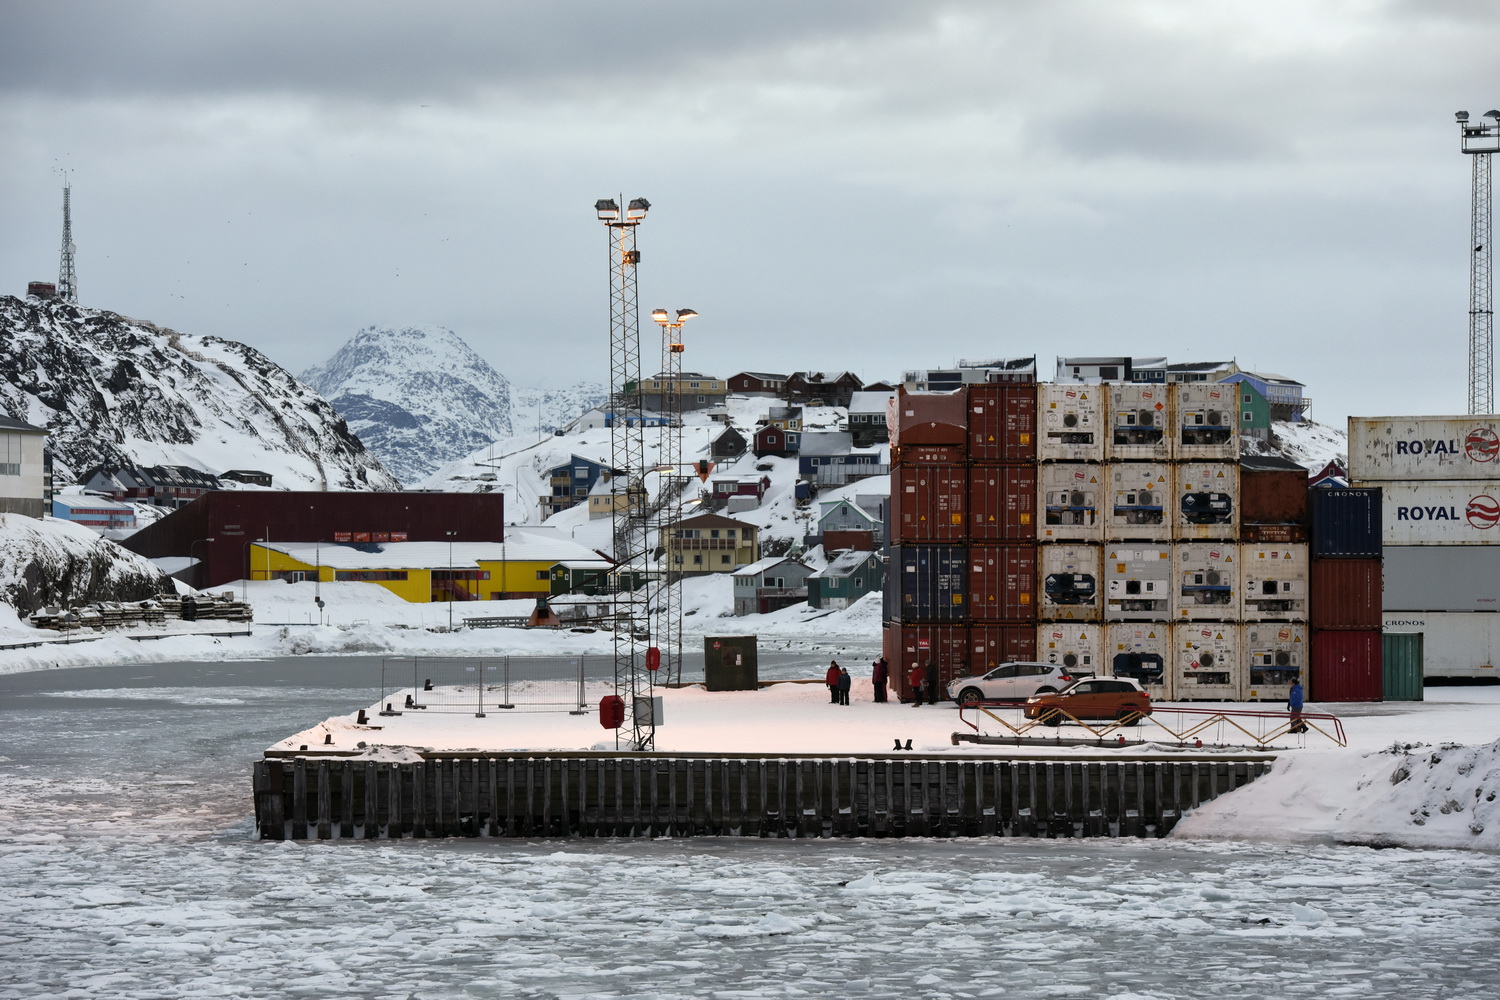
(49, 562)
(114, 390)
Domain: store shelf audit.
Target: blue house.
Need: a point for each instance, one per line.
(829, 458)
(1284, 396)
(570, 484)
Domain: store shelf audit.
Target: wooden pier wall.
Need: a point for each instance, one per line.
(327, 798)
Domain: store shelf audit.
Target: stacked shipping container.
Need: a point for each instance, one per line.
(1345, 600)
(1440, 477)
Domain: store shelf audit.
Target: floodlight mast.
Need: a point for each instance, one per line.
(667, 606)
(1479, 140)
(628, 509)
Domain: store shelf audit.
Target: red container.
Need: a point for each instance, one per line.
(929, 454)
(992, 645)
(1002, 502)
(858, 541)
(928, 503)
(930, 418)
(1273, 495)
(1273, 534)
(1002, 582)
(1345, 594)
(1346, 666)
(907, 646)
(1002, 422)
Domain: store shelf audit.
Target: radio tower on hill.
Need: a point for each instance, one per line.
(67, 277)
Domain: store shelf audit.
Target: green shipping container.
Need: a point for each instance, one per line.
(1401, 654)
(730, 663)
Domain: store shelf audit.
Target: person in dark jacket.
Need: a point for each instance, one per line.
(845, 683)
(880, 675)
(914, 681)
(832, 680)
(1294, 706)
(931, 684)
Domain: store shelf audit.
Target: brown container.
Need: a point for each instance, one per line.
(1002, 582)
(1271, 494)
(906, 646)
(1346, 666)
(929, 503)
(1002, 422)
(1002, 502)
(928, 454)
(929, 418)
(854, 540)
(1273, 534)
(1345, 594)
(993, 644)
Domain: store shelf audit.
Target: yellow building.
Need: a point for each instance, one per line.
(711, 543)
(421, 572)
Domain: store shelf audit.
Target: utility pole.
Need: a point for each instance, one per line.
(1479, 140)
(67, 274)
(634, 682)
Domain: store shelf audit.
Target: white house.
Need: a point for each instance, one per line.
(23, 468)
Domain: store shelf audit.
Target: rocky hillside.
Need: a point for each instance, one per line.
(116, 390)
(59, 563)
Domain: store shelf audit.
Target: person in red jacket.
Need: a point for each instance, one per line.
(914, 679)
(879, 676)
(832, 680)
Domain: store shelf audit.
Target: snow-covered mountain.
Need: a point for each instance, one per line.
(543, 411)
(110, 389)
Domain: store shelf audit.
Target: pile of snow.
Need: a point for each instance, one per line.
(58, 563)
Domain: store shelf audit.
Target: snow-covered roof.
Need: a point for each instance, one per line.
(826, 443)
(756, 568)
(77, 501)
(844, 563)
(1272, 377)
(520, 546)
(869, 402)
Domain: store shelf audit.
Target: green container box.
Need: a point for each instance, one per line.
(730, 664)
(1401, 656)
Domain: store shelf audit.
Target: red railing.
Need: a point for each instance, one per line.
(1187, 726)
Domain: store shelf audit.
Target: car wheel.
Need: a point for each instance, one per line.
(1055, 717)
(1128, 717)
(970, 696)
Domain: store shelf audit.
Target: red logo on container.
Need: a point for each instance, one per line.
(1482, 445)
(1483, 512)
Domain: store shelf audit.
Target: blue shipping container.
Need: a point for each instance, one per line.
(1346, 523)
(930, 583)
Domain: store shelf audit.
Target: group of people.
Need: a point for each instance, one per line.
(923, 681)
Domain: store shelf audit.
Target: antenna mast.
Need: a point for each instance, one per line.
(67, 276)
(1479, 140)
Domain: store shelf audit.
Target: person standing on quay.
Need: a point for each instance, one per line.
(914, 680)
(845, 683)
(879, 675)
(932, 682)
(1294, 706)
(832, 680)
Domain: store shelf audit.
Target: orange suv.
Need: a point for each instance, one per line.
(1117, 698)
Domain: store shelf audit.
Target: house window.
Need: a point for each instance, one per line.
(723, 559)
(859, 581)
(542, 574)
(1245, 416)
(697, 560)
(729, 533)
(1247, 397)
(713, 532)
(702, 399)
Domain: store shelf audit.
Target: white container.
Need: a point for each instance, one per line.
(1138, 582)
(1206, 663)
(1140, 422)
(1461, 645)
(1208, 501)
(1075, 645)
(1071, 499)
(1273, 582)
(1408, 448)
(1440, 513)
(1071, 589)
(1070, 422)
(1207, 581)
(1441, 578)
(1275, 654)
(1143, 652)
(1207, 421)
(1139, 501)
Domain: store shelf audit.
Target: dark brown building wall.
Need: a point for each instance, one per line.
(235, 518)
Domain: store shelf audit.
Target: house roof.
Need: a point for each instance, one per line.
(869, 402)
(521, 545)
(844, 564)
(816, 443)
(12, 424)
(763, 376)
(1196, 366)
(769, 562)
(1004, 364)
(715, 521)
(1271, 463)
(78, 501)
(1272, 377)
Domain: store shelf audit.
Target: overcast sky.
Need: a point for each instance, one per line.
(863, 184)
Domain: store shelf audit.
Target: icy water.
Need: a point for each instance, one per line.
(128, 870)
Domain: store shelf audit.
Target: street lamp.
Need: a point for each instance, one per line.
(203, 576)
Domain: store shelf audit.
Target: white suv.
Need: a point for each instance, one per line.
(1014, 682)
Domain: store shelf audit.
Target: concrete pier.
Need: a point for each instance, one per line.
(586, 794)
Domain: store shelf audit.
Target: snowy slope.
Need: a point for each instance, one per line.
(49, 562)
(110, 389)
(1310, 444)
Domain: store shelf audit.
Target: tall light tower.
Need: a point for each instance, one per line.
(634, 682)
(67, 276)
(668, 605)
(1479, 140)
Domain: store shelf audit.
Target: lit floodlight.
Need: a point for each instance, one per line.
(637, 208)
(1462, 116)
(685, 314)
(607, 209)
(660, 315)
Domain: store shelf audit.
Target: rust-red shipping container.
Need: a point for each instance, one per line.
(1273, 534)
(851, 539)
(1345, 594)
(991, 645)
(928, 454)
(929, 503)
(1002, 502)
(1002, 422)
(929, 418)
(908, 646)
(1272, 491)
(1346, 666)
(1002, 582)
